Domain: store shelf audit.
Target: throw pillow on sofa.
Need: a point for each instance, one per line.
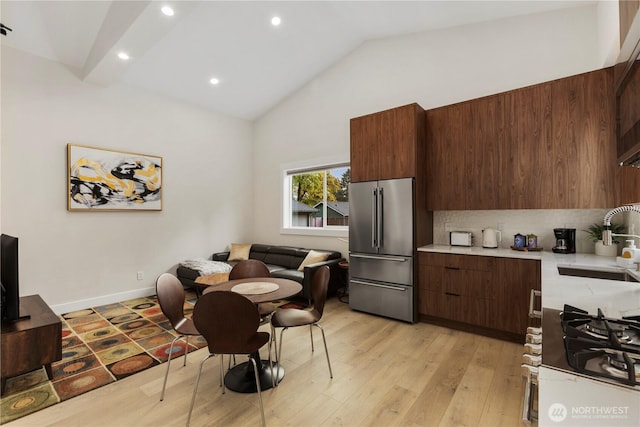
(239, 251)
(313, 257)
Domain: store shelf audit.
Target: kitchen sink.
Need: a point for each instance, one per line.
(578, 271)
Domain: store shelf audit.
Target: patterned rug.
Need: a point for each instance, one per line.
(100, 345)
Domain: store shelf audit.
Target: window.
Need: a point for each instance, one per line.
(317, 199)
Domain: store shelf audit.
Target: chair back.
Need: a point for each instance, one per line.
(228, 321)
(249, 268)
(319, 287)
(171, 298)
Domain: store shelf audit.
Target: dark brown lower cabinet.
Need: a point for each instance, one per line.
(489, 295)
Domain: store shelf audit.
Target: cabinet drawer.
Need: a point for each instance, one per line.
(458, 308)
(442, 305)
(430, 278)
(464, 262)
(473, 262)
(468, 283)
(394, 301)
(432, 259)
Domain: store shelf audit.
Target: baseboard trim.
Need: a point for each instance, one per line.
(102, 300)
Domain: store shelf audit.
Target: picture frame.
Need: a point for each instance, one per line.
(100, 179)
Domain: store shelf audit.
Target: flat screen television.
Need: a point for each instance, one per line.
(9, 278)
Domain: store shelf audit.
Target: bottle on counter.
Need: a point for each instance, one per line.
(631, 252)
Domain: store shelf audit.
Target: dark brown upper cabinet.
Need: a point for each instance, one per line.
(388, 144)
(547, 146)
(627, 86)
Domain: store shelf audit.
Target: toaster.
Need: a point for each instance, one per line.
(461, 238)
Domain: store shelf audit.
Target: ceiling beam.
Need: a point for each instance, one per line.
(132, 27)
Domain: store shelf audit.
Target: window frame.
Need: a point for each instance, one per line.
(285, 215)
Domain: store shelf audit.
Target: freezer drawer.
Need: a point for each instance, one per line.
(389, 300)
(381, 268)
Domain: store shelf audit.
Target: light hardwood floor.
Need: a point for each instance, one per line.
(386, 373)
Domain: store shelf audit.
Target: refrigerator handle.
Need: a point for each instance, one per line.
(380, 218)
(377, 285)
(382, 258)
(374, 216)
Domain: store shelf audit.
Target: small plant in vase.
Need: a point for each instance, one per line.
(594, 233)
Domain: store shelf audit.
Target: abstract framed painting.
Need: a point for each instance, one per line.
(107, 180)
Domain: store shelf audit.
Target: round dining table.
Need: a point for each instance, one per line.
(258, 290)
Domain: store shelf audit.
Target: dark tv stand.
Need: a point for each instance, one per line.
(23, 316)
(33, 341)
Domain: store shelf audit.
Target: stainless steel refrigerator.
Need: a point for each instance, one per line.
(381, 248)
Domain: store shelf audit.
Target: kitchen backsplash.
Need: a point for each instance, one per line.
(540, 222)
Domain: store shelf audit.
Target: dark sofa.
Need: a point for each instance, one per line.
(283, 262)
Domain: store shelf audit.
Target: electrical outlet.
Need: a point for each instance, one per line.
(501, 226)
(140, 275)
(448, 226)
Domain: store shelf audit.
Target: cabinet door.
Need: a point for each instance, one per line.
(384, 144)
(473, 280)
(484, 164)
(364, 148)
(398, 139)
(528, 159)
(583, 152)
(517, 277)
(446, 157)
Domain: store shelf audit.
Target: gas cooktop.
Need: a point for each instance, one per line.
(600, 346)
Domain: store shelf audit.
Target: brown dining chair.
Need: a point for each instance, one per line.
(291, 317)
(229, 323)
(171, 299)
(253, 268)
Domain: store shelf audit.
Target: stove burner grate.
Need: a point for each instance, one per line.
(618, 333)
(601, 346)
(602, 329)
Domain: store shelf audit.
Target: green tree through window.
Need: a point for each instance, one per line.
(320, 197)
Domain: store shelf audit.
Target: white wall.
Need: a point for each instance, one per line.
(608, 31)
(433, 69)
(80, 259)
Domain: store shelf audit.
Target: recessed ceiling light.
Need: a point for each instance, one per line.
(214, 81)
(275, 21)
(167, 10)
(123, 55)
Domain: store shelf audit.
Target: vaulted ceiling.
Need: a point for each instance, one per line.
(256, 63)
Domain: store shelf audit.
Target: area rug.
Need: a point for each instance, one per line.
(100, 345)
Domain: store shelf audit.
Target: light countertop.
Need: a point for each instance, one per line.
(615, 298)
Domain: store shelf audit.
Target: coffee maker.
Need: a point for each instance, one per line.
(565, 240)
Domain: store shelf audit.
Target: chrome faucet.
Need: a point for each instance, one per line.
(607, 235)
